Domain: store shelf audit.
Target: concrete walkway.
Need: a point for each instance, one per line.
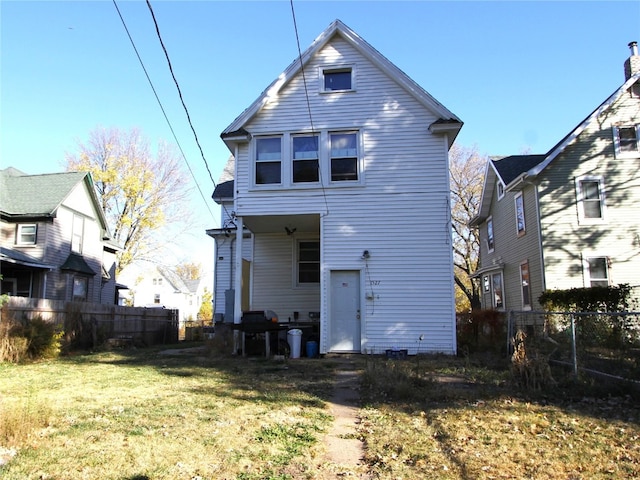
(344, 451)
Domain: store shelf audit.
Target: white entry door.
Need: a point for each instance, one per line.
(345, 315)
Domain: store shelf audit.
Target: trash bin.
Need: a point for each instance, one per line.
(312, 349)
(294, 337)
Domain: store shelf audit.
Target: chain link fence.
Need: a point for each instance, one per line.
(599, 344)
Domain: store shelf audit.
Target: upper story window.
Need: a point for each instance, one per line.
(77, 234)
(268, 160)
(26, 234)
(344, 156)
(490, 239)
(500, 190)
(305, 159)
(590, 195)
(626, 140)
(596, 269)
(308, 262)
(337, 79)
(520, 224)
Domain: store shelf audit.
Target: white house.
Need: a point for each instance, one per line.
(341, 187)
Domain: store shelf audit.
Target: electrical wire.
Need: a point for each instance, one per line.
(306, 94)
(163, 110)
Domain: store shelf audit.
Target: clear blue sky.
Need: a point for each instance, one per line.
(520, 75)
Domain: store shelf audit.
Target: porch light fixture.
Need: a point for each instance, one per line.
(365, 255)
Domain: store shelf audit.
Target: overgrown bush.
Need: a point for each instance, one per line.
(28, 339)
(591, 299)
(482, 328)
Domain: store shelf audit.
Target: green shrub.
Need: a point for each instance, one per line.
(591, 299)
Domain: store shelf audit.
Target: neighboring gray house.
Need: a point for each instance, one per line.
(341, 188)
(55, 242)
(570, 217)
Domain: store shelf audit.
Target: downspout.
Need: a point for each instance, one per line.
(540, 250)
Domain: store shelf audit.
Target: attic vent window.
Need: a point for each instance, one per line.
(337, 79)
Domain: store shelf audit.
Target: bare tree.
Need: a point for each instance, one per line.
(140, 190)
(467, 169)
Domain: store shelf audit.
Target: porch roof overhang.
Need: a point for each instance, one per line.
(496, 267)
(293, 223)
(18, 258)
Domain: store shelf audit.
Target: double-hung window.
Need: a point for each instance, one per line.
(308, 262)
(268, 160)
(626, 140)
(520, 224)
(497, 291)
(80, 288)
(596, 271)
(590, 195)
(26, 234)
(490, 239)
(77, 234)
(305, 159)
(344, 156)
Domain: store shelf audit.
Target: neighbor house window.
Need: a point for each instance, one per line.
(305, 159)
(344, 156)
(268, 160)
(308, 261)
(490, 241)
(590, 194)
(337, 79)
(520, 225)
(525, 283)
(597, 271)
(156, 298)
(78, 234)
(486, 284)
(497, 290)
(626, 140)
(80, 288)
(500, 190)
(26, 234)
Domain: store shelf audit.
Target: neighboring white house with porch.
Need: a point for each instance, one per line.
(342, 188)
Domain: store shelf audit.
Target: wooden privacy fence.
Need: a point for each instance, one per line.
(92, 324)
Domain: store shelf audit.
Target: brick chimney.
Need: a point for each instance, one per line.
(632, 64)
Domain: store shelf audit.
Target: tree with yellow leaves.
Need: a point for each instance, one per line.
(140, 190)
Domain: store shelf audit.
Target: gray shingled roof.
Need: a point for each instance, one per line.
(35, 195)
(223, 190)
(509, 168)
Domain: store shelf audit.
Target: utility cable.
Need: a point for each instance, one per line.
(306, 94)
(163, 110)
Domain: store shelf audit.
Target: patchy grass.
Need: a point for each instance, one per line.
(140, 414)
(143, 415)
(447, 418)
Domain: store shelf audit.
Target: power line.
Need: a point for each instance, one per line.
(306, 94)
(184, 157)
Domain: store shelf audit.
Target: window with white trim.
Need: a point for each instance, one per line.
(490, 238)
(268, 160)
(305, 159)
(77, 234)
(26, 234)
(344, 156)
(519, 204)
(156, 298)
(337, 79)
(596, 271)
(500, 189)
(626, 140)
(497, 291)
(308, 262)
(525, 284)
(590, 196)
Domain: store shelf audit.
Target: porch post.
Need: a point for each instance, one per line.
(237, 284)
